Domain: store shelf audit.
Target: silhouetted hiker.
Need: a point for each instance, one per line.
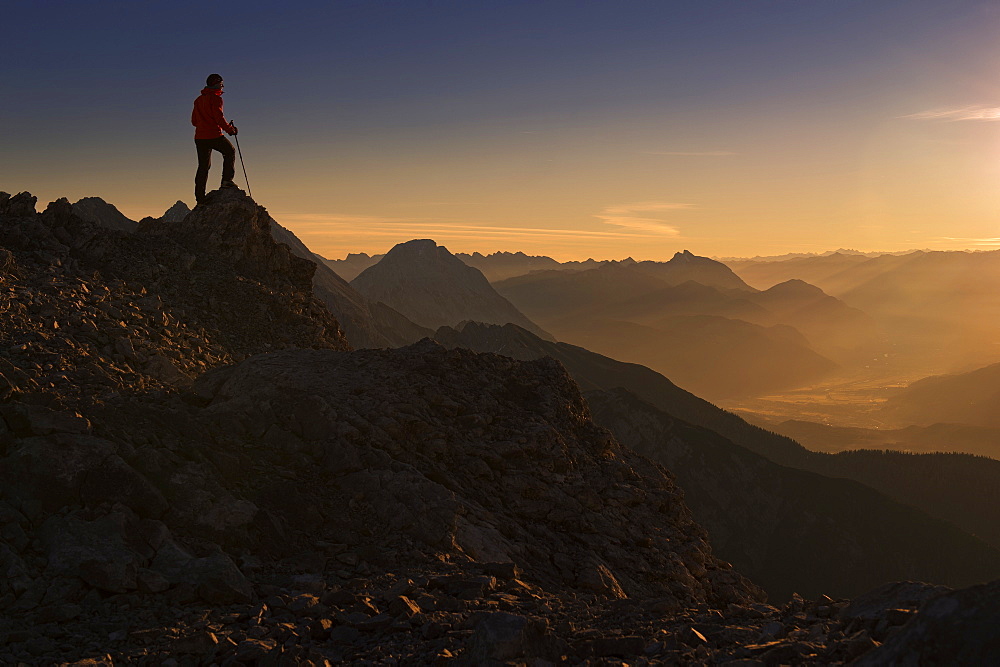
(209, 124)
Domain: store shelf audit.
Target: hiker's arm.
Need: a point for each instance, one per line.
(220, 119)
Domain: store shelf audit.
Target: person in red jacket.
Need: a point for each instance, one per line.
(209, 125)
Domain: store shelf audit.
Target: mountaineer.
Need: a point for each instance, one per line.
(209, 123)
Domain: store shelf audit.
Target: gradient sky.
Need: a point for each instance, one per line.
(574, 129)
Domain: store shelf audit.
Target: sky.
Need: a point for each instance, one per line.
(572, 129)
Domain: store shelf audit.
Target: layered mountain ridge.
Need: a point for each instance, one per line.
(196, 467)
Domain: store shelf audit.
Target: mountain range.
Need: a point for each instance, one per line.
(694, 320)
(940, 308)
(196, 466)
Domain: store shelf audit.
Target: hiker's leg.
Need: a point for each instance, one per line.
(204, 147)
(225, 147)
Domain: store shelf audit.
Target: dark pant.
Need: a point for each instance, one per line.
(205, 148)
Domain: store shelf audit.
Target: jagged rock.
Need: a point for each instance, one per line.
(27, 420)
(98, 310)
(175, 213)
(41, 475)
(98, 211)
(21, 205)
(501, 637)
(445, 489)
(106, 552)
(215, 578)
(894, 595)
(958, 627)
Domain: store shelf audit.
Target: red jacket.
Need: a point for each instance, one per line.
(207, 115)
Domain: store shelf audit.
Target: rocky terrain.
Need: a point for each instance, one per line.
(91, 312)
(195, 469)
(433, 288)
(789, 529)
(365, 323)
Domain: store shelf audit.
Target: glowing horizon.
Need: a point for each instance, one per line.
(605, 131)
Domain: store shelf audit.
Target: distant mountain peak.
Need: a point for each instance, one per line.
(797, 287)
(434, 288)
(416, 245)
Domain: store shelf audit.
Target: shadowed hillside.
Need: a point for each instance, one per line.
(792, 530)
(967, 398)
(677, 424)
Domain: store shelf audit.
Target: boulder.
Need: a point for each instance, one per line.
(952, 628)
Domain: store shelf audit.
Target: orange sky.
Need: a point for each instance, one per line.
(558, 128)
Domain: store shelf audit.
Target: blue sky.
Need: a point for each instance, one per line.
(731, 128)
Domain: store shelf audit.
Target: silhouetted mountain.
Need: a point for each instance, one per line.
(965, 398)
(502, 265)
(685, 266)
(712, 356)
(789, 527)
(353, 264)
(98, 211)
(833, 328)
(433, 288)
(366, 322)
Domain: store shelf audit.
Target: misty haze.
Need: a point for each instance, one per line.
(649, 333)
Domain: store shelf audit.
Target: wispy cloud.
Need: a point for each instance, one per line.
(984, 243)
(691, 153)
(342, 226)
(958, 113)
(337, 219)
(643, 217)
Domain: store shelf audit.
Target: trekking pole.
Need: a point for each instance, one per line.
(242, 163)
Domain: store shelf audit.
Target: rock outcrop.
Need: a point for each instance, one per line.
(433, 288)
(91, 312)
(100, 212)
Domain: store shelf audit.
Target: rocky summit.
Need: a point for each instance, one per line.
(195, 469)
(90, 312)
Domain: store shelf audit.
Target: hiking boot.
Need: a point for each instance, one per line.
(227, 184)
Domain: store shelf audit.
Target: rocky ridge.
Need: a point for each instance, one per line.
(90, 312)
(317, 505)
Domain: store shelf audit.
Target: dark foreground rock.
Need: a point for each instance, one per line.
(90, 312)
(957, 628)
